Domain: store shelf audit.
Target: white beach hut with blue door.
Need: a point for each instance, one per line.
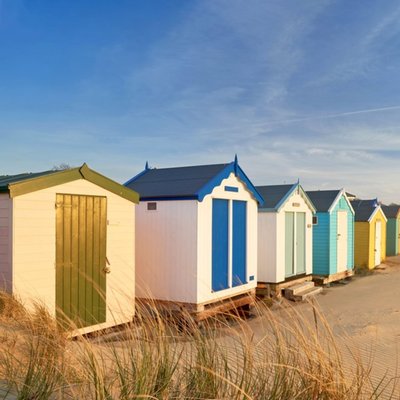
(197, 236)
(284, 237)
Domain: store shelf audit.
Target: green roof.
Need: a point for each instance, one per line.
(20, 184)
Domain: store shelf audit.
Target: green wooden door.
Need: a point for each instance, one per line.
(300, 243)
(289, 244)
(81, 224)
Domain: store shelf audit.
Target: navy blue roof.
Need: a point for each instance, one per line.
(192, 182)
(364, 209)
(323, 199)
(391, 211)
(274, 194)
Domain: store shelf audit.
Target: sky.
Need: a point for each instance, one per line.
(305, 90)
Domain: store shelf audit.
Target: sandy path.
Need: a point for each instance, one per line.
(365, 314)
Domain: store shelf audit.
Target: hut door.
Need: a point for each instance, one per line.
(300, 243)
(295, 243)
(81, 259)
(220, 244)
(341, 241)
(378, 236)
(398, 235)
(289, 244)
(239, 243)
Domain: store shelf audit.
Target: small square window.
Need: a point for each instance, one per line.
(152, 206)
(315, 220)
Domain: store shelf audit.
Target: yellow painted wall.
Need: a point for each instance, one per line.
(378, 217)
(361, 244)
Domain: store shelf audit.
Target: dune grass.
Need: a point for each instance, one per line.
(279, 354)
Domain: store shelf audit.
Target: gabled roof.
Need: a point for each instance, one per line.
(193, 182)
(20, 184)
(391, 211)
(275, 196)
(365, 209)
(326, 200)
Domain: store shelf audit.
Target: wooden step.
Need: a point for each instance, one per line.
(299, 288)
(307, 294)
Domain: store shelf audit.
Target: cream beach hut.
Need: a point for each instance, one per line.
(67, 242)
(284, 237)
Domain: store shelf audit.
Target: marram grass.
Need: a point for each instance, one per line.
(279, 354)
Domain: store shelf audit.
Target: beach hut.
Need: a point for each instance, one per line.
(392, 214)
(369, 233)
(67, 242)
(196, 246)
(284, 237)
(333, 236)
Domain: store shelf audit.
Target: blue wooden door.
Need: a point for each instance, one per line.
(220, 244)
(239, 243)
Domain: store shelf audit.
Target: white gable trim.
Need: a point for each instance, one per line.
(340, 194)
(302, 193)
(375, 212)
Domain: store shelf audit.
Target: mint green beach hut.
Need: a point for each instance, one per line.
(392, 213)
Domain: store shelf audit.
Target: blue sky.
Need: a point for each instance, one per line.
(299, 89)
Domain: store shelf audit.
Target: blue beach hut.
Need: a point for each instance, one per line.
(333, 235)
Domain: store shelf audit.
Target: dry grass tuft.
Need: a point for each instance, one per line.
(296, 356)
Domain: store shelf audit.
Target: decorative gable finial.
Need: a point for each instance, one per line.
(146, 167)
(235, 165)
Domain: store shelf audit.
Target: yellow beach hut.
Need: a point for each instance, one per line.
(369, 233)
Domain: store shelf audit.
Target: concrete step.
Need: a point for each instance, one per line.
(299, 288)
(307, 294)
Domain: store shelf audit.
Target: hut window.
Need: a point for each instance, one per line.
(315, 220)
(152, 206)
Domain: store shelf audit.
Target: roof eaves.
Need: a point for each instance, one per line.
(341, 193)
(289, 193)
(109, 184)
(286, 197)
(43, 182)
(377, 208)
(223, 174)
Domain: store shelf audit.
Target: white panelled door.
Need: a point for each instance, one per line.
(342, 241)
(378, 238)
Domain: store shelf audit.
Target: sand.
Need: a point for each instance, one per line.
(365, 314)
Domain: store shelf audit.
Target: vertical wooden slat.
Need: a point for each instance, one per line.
(74, 258)
(102, 256)
(96, 257)
(59, 255)
(67, 255)
(89, 260)
(82, 260)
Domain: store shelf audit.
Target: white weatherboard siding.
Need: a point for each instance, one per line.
(5, 243)
(267, 247)
(204, 254)
(166, 251)
(34, 249)
(271, 240)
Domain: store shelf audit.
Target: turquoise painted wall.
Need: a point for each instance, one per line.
(325, 240)
(321, 245)
(392, 233)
